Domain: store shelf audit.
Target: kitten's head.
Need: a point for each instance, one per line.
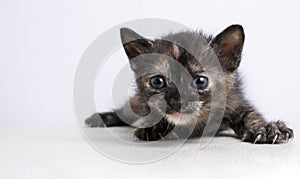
(182, 82)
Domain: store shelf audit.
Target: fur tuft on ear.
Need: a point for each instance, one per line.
(229, 45)
(133, 43)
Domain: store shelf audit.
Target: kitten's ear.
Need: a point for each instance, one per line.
(229, 45)
(134, 44)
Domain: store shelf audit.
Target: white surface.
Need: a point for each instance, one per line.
(41, 44)
(64, 153)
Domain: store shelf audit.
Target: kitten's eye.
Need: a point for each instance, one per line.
(157, 82)
(200, 82)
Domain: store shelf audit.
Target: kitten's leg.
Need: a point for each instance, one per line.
(107, 119)
(156, 132)
(251, 127)
(126, 115)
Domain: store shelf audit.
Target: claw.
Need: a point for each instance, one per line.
(275, 138)
(162, 138)
(287, 136)
(292, 138)
(258, 137)
(244, 137)
(177, 137)
(135, 138)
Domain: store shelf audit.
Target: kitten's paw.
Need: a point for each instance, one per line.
(272, 133)
(148, 134)
(107, 119)
(94, 121)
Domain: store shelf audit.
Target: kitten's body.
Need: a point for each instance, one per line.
(183, 106)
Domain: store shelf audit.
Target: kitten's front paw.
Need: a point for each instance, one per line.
(272, 133)
(94, 121)
(148, 134)
(107, 119)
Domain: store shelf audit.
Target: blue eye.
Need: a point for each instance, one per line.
(157, 82)
(200, 82)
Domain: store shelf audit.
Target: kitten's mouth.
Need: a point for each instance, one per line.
(179, 118)
(174, 115)
(177, 115)
(183, 115)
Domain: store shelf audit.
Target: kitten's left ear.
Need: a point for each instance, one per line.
(134, 44)
(229, 45)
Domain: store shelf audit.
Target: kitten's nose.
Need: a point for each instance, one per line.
(175, 104)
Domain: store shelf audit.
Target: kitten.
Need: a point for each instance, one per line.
(170, 108)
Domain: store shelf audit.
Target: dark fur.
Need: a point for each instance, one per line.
(239, 114)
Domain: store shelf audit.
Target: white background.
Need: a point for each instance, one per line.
(41, 44)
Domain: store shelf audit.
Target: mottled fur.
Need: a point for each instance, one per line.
(239, 114)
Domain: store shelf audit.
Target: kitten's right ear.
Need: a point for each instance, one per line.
(134, 44)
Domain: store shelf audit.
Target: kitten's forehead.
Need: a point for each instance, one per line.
(187, 48)
(181, 56)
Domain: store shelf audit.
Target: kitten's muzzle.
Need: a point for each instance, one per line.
(184, 107)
